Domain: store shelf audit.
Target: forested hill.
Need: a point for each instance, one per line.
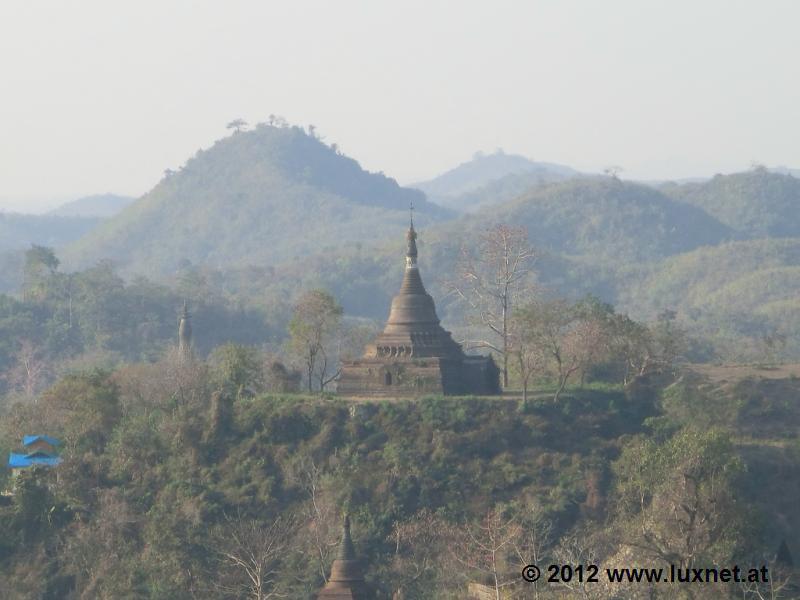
(260, 196)
(744, 295)
(609, 218)
(457, 188)
(592, 235)
(757, 203)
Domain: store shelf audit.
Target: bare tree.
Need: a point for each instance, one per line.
(490, 277)
(677, 500)
(485, 547)
(30, 370)
(559, 338)
(315, 322)
(250, 554)
(320, 514)
(95, 553)
(551, 324)
(419, 548)
(525, 348)
(779, 586)
(533, 542)
(576, 549)
(590, 344)
(632, 345)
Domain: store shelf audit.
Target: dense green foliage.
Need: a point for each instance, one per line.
(741, 295)
(67, 320)
(610, 219)
(757, 203)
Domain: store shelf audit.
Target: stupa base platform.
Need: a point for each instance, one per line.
(378, 378)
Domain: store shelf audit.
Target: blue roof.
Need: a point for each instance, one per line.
(29, 439)
(17, 461)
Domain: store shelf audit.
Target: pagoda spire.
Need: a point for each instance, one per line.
(347, 580)
(185, 332)
(411, 238)
(346, 549)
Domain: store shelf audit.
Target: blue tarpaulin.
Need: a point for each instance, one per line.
(18, 461)
(29, 439)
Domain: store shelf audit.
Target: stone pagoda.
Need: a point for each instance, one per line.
(185, 333)
(415, 355)
(347, 577)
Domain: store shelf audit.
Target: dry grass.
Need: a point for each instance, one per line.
(731, 373)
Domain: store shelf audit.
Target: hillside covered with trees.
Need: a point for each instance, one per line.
(758, 203)
(255, 197)
(265, 214)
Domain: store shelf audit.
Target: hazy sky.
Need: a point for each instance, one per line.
(104, 95)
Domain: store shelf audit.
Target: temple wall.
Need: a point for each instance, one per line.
(377, 378)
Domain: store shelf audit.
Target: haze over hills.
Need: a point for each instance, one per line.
(268, 213)
(627, 243)
(19, 231)
(784, 170)
(461, 187)
(261, 196)
(590, 235)
(98, 205)
(756, 203)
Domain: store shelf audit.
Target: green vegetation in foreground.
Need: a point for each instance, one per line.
(158, 470)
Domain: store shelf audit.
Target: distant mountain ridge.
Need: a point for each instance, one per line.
(19, 231)
(261, 196)
(98, 205)
(271, 212)
(457, 188)
(499, 191)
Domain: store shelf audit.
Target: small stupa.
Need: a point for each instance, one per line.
(347, 577)
(185, 333)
